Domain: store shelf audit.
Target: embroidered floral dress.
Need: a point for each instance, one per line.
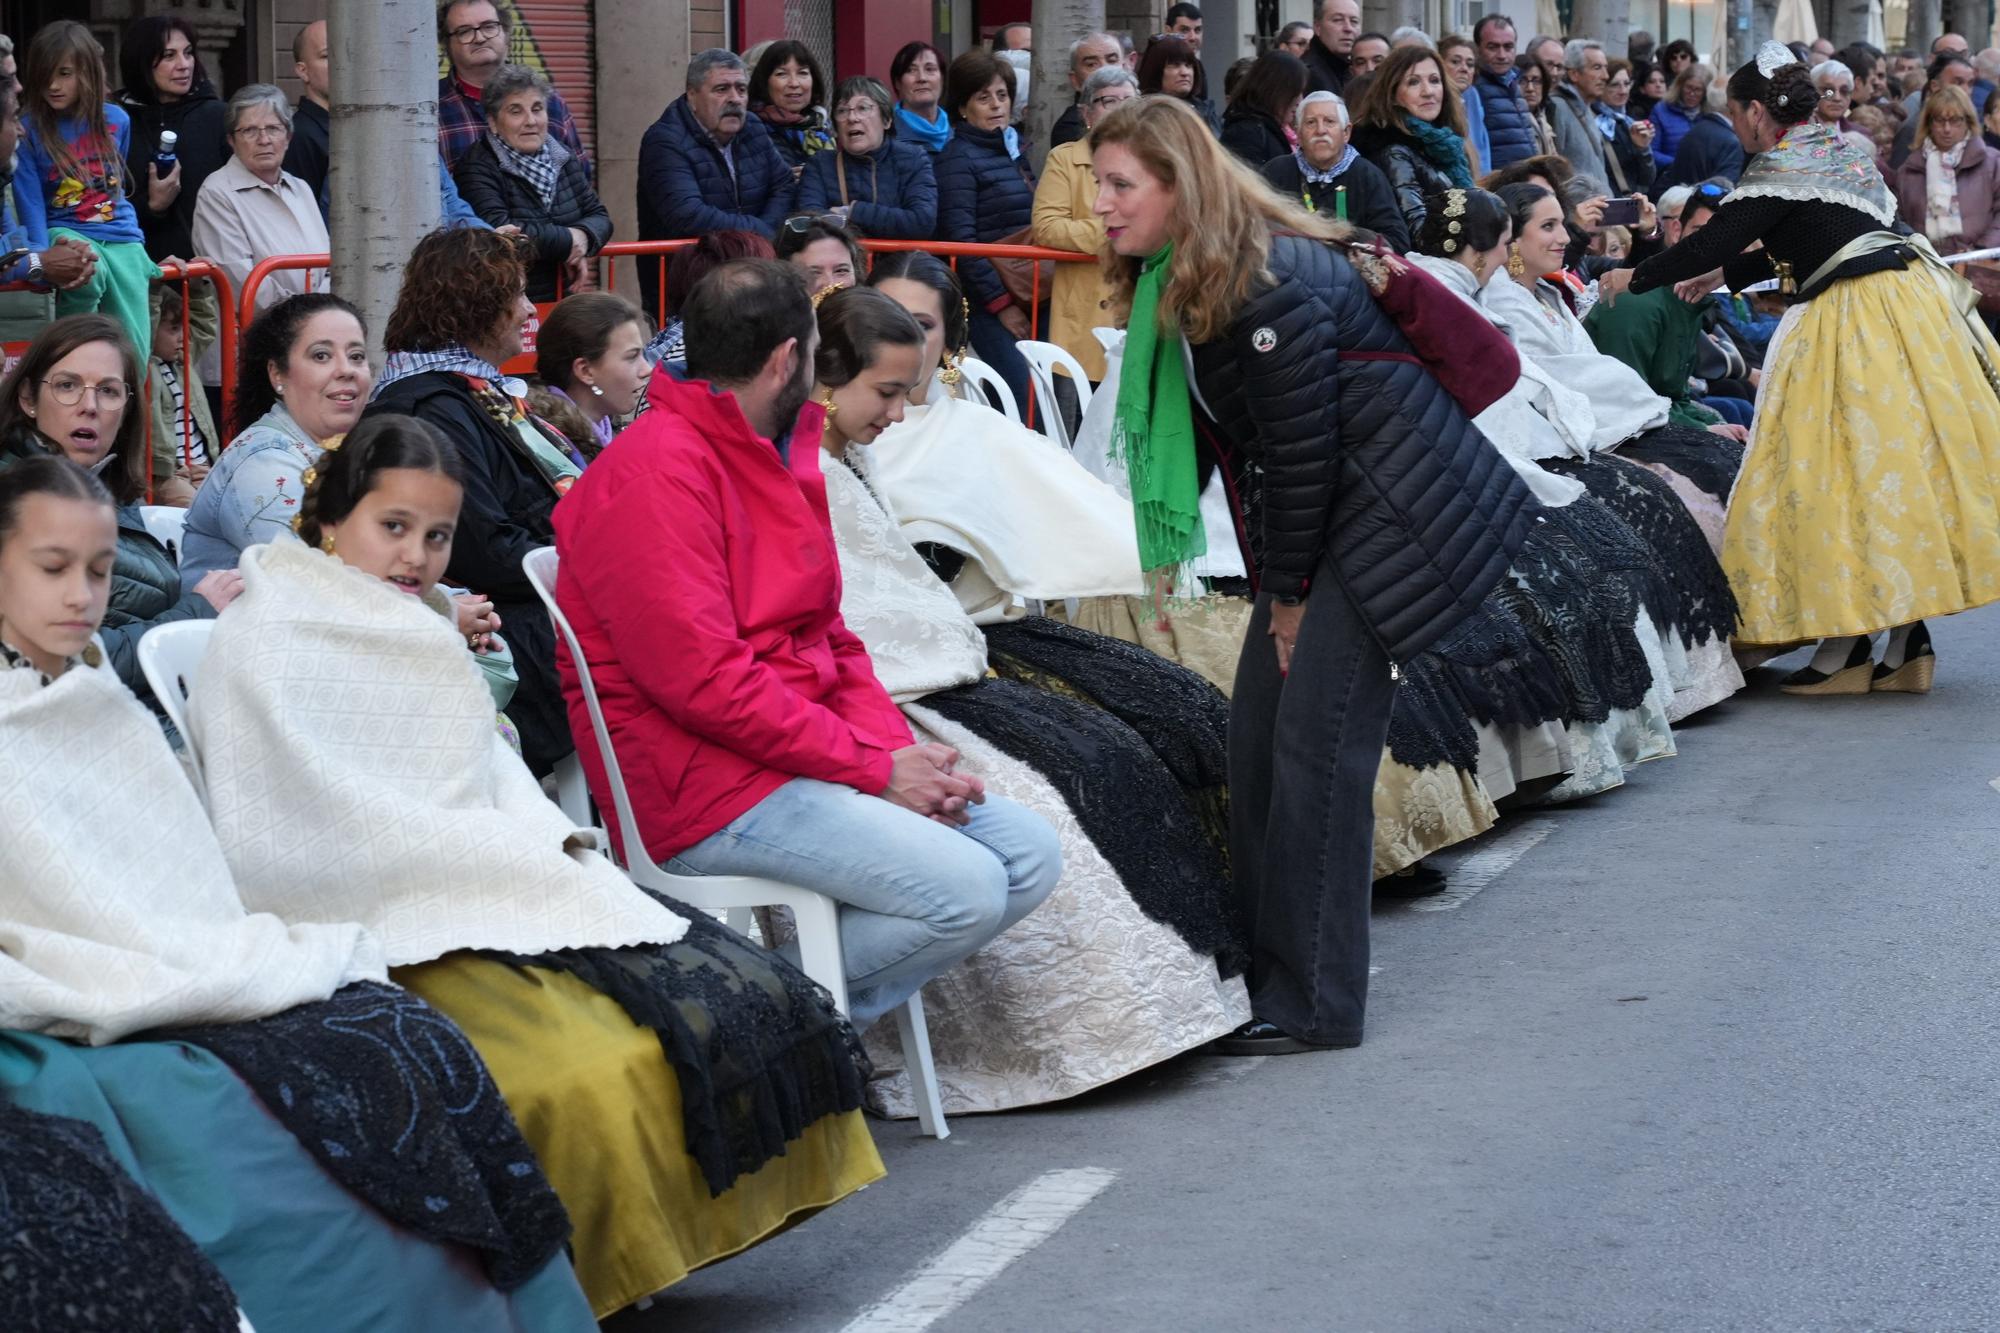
(251, 496)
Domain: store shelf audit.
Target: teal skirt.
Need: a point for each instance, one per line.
(303, 1255)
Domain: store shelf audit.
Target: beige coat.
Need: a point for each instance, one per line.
(1063, 220)
(239, 221)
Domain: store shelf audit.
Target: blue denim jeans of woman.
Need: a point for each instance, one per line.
(915, 895)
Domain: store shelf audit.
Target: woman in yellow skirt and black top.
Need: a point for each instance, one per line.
(1870, 496)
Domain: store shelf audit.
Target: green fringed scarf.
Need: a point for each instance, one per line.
(1153, 432)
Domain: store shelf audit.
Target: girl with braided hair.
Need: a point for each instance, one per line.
(1870, 496)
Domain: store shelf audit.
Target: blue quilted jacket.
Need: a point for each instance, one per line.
(1509, 133)
(893, 190)
(983, 195)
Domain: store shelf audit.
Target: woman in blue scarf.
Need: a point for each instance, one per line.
(917, 75)
(1411, 125)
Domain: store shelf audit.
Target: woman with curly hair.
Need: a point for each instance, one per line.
(458, 318)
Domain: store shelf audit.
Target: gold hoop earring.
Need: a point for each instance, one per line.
(1516, 266)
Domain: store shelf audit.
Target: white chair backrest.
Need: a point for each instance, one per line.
(1044, 360)
(169, 656)
(988, 387)
(541, 567)
(1112, 339)
(167, 524)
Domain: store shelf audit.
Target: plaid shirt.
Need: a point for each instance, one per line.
(461, 120)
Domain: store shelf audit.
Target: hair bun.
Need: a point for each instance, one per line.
(1793, 95)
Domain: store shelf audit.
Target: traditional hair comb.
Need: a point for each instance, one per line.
(825, 292)
(1454, 208)
(1773, 56)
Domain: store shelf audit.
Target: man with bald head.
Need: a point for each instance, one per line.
(1330, 57)
(1087, 54)
(309, 152)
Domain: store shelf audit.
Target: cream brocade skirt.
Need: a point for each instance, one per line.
(1870, 495)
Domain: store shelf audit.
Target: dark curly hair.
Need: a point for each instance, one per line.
(1789, 95)
(268, 345)
(916, 266)
(853, 323)
(342, 476)
(458, 285)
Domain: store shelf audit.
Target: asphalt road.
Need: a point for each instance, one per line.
(1718, 1052)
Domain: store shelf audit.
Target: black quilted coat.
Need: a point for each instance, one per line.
(1367, 461)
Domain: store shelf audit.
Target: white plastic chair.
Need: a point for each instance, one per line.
(1111, 339)
(1044, 359)
(986, 379)
(817, 916)
(167, 524)
(168, 657)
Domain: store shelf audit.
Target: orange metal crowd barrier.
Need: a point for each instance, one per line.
(949, 251)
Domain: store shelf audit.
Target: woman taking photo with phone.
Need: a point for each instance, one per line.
(1206, 257)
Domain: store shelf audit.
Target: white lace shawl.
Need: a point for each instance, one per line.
(1621, 404)
(355, 774)
(918, 636)
(1026, 514)
(1530, 421)
(119, 913)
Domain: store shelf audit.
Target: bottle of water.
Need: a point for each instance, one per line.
(164, 160)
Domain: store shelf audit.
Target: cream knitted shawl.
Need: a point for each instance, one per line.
(355, 774)
(117, 912)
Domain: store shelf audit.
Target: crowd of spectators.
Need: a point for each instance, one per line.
(695, 569)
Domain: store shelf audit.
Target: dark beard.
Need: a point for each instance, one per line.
(785, 411)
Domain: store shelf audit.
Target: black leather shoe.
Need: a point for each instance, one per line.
(1418, 881)
(1258, 1037)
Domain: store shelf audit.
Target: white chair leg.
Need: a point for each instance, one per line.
(922, 1072)
(819, 947)
(742, 920)
(573, 790)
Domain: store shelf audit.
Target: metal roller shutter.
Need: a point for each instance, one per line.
(558, 38)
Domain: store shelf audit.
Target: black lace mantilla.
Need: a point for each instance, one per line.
(1708, 460)
(83, 1249)
(1704, 607)
(758, 1048)
(391, 1098)
(1164, 727)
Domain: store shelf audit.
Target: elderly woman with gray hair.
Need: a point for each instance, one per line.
(881, 184)
(250, 208)
(1327, 176)
(519, 174)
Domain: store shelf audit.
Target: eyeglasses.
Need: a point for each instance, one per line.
(1707, 191)
(859, 111)
(1959, 121)
(1835, 94)
(1105, 101)
(261, 133)
(69, 390)
(477, 32)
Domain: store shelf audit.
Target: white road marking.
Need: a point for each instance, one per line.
(1487, 864)
(1010, 1229)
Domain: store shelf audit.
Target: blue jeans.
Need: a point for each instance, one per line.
(1735, 411)
(915, 896)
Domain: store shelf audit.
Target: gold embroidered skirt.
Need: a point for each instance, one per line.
(1870, 496)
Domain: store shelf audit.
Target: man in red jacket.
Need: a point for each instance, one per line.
(699, 572)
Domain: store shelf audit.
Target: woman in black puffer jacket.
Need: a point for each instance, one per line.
(986, 193)
(1367, 495)
(1411, 125)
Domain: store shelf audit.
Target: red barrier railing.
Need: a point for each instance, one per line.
(950, 251)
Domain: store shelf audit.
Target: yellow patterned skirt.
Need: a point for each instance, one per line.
(1870, 496)
(597, 1101)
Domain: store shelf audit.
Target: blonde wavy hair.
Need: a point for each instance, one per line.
(1221, 223)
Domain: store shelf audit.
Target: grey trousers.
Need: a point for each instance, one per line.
(1304, 749)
